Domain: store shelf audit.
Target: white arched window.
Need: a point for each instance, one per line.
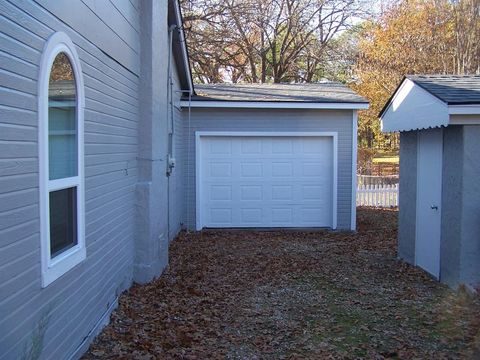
(60, 107)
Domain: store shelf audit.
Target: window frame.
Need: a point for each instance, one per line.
(53, 268)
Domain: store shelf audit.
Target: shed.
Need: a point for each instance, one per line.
(438, 118)
(271, 155)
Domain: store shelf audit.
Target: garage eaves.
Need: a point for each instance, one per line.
(327, 95)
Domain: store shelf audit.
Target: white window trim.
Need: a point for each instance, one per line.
(52, 269)
(198, 156)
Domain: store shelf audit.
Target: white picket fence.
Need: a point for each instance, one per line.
(379, 191)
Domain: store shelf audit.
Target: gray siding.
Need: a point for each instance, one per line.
(273, 120)
(112, 26)
(76, 301)
(408, 196)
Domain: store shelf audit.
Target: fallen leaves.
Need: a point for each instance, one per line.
(292, 295)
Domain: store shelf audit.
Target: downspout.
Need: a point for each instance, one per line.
(170, 158)
(171, 125)
(171, 161)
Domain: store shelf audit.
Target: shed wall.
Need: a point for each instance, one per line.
(407, 196)
(273, 120)
(460, 224)
(450, 245)
(470, 258)
(74, 303)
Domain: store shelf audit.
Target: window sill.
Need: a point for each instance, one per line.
(62, 263)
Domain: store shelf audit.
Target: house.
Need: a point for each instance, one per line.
(107, 152)
(438, 118)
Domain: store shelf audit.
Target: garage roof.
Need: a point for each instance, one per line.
(330, 95)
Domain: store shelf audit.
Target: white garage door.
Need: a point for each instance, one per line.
(266, 181)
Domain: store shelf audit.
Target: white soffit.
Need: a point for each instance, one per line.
(414, 108)
(272, 105)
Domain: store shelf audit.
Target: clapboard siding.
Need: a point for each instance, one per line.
(18, 199)
(76, 301)
(12, 115)
(128, 11)
(16, 233)
(17, 167)
(18, 181)
(40, 22)
(274, 120)
(18, 66)
(103, 25)
(17, 99)
(18, 132)
(14, 81)
(67, 302)
(17, 49)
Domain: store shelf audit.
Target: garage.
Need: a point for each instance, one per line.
(270, 156)
(266, 179)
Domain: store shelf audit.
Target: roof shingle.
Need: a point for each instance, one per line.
(307, 93)
(452, 89)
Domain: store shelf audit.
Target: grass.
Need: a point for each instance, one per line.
(386, 160)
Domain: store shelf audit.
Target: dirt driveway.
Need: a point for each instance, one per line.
(283, 294)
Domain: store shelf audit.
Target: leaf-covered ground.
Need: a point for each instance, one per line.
(289, 295)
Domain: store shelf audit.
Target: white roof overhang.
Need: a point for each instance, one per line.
(414, 108)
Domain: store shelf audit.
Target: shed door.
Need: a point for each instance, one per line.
(429, 198)
(266, 181)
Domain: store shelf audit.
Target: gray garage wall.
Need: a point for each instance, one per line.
(74, 303)
(216, 119)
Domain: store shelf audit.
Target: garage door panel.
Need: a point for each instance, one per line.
(220, 147)
(283, 147)
(219, 169)
(251, 192)
(261, 181)
(251, 169)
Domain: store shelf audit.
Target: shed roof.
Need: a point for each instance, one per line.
(451, 89)
(290, 93)
(429, 101)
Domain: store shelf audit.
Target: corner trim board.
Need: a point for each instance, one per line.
(353, 221)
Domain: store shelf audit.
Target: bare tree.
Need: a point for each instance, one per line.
(264, 40)
(467, 36)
